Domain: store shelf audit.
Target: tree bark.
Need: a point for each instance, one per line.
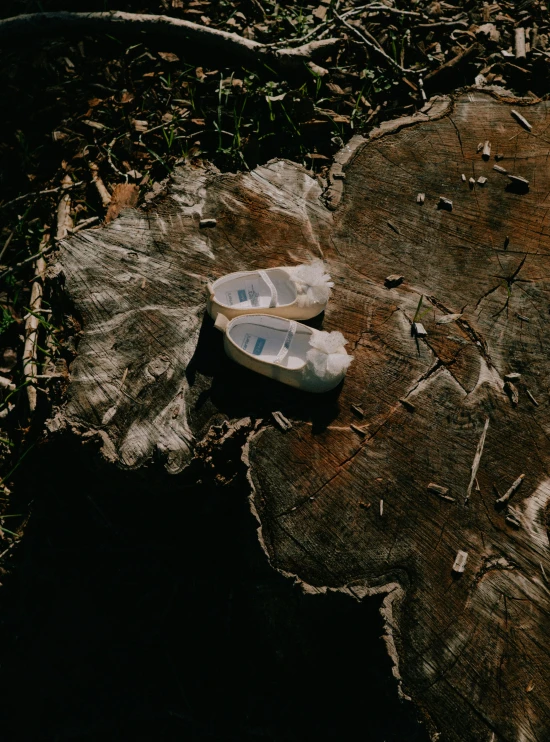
(450, 425)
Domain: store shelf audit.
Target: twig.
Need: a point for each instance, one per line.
(104, 194)
(477, 459)
(229, 45)
(40, 193)
(64, 221)
(27, 260)
(30, 368)
(6, 244)
(462, 57)
(83, 224)
(508, 494)
(377, 8)
(376, 46)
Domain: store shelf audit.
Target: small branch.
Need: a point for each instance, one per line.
(228, 45)
(377, 8)
(6, 244)
(30, 367)
(27, 260)
(454, 62)
(83, 224)
(64, 221)
(375, 46)
(38, 193)
(477, 459)
(104, 194)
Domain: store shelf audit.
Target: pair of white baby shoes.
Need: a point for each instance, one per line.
(257, 312)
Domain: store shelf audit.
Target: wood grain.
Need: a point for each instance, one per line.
(470, 649)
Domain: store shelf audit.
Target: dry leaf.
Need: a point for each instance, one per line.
(198, 122)
(169, 56)
(124, 196)
(126, 97)
(93, 102)
(199, 72)
(334, 88)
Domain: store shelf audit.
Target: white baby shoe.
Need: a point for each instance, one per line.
(300, 292)
(285, 350)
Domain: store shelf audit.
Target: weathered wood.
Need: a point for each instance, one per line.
(471, 647)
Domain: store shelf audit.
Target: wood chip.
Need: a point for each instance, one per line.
(486, 150)
(281, 421)
(533, 400)
(463, 177)
(460, 562)
(445, 203)
(205, 223)
(500, 169)
(510, 492)
(361, 431)
(512, 519)
(448, 318)
(482, 180)
(418, 330)
(408, 405)
(520, 43)
(472, 182)
(514, 376)
(512, 392)
(140, 126)
(420, 198)
(358, 410)
(499, 156)
(522, 184)
(393, 280)
(521, 120)
(440, 491)
(392, 226)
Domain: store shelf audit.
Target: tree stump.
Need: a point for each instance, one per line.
(447, 431)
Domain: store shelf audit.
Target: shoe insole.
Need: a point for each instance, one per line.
(266, 342)
(252, 292)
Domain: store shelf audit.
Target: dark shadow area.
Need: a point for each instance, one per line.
(142, 607)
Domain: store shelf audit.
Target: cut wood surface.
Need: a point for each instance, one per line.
(409, 509)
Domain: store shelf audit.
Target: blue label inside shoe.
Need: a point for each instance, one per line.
(259, 346)
(253, 344)
(242, 296)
